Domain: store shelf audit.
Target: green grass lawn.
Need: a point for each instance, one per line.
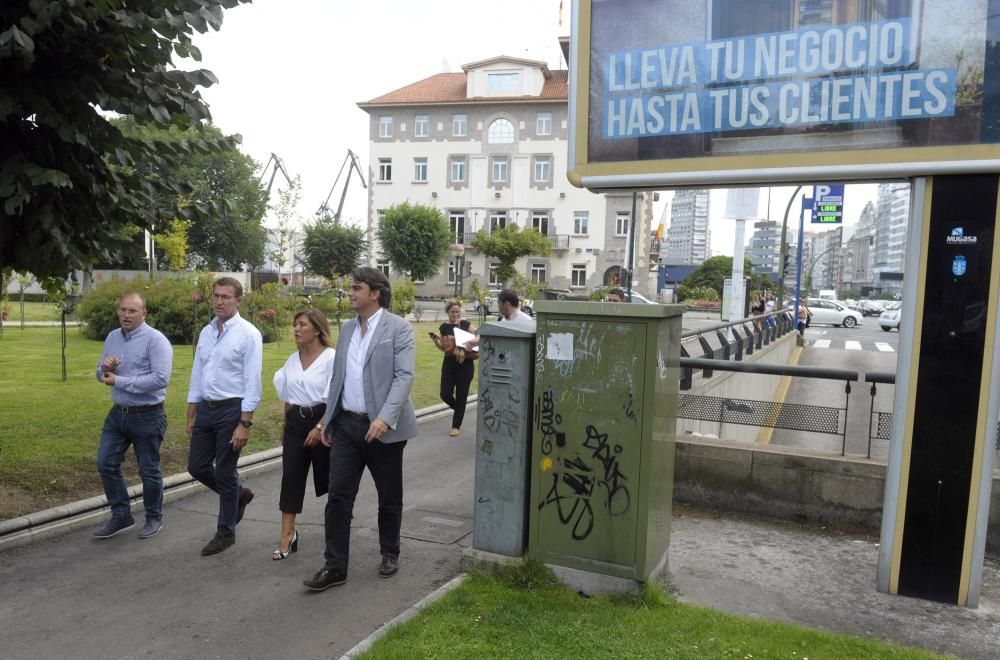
(33, 311)
(49, 429)
(522, 612)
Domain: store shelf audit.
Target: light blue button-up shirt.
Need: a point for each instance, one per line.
(144, 373)
(228, 366)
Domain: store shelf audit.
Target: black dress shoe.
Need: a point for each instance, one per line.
(245, 498)
(389, 566)
(217, 544)
(325, 579)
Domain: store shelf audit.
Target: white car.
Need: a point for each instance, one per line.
(889, 318)
(639, 298)
(830, 312)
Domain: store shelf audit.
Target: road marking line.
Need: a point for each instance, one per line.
(852, 345)
(822, 343)
(764, 437)
(884, 347)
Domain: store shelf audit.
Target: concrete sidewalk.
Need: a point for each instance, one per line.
(72, 596)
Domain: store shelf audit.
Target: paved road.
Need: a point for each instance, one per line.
(865, 348)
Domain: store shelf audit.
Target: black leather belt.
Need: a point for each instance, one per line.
(138, 409)
(222, 402)
(356, 415)
(307, 412)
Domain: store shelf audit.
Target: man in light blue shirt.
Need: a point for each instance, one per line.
(225, 391)
(136, 366)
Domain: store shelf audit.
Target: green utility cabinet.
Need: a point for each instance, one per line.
(602, 451)
(503, 437)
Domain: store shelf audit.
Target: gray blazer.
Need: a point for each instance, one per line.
(388, 375)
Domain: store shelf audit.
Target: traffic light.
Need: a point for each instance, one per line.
(785, 264)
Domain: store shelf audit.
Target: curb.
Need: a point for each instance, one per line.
(48, 523)
(403, 617)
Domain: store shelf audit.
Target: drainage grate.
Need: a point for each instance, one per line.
(433, 526)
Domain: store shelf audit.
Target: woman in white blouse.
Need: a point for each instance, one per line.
(303, 384)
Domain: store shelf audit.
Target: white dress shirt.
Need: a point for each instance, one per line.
(227, 366)
(518, 315)
(305, 387)
(353, 396)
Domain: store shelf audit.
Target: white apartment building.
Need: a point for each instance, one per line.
(765, 247)
(688, 237)
(488, 146)
(892, 216)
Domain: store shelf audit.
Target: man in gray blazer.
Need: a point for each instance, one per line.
(369, 418)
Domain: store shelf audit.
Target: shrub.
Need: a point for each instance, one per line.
(404, 295)
(99, 308)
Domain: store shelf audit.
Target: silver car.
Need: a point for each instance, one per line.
(830, 312)
(889, 318)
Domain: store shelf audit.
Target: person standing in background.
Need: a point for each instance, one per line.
(457, 368)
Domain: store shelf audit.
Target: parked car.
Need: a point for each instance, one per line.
(830, 312)
(639, 298)
(490, 305)
(871, 307)
(528, 306)
(889, 318)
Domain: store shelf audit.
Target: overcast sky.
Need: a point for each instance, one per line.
(291, 73)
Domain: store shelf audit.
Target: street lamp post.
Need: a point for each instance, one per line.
(458, 251)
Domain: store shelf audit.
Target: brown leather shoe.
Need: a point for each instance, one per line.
(389, 566)
(218, 544)
(245, 498)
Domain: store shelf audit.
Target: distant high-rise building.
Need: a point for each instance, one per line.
(823, 262)
(688, 237)
(892, 213)
(765, 245)
(857, 256)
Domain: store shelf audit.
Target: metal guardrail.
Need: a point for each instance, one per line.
(748, 335)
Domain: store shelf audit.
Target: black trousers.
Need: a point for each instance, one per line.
(349, 456)
(212, 460)
(455, 382)
(296, 458)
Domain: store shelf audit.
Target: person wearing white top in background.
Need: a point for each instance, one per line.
(303, 384)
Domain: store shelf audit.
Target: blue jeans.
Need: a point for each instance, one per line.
(144, 431)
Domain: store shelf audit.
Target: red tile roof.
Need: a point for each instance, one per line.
(451, 88)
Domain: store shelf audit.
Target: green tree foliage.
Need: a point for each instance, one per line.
(714, 270)
(404, 295)
(331, 248)
(287, 212)
(523, 287)
(225, 177)
(414, 238)
(72, 193)
(174, 243)
(508, 244)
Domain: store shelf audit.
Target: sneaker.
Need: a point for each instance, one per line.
(113, 526)
(217, 544)
(150, 529)
(325, 579)
(389, 566)
(245, 497)
(455, 433)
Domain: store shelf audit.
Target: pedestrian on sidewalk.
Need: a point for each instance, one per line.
(303, 383)
(369, 417)
(803, 319)
(224, 392)
(616, 294)
(136, 365)
(457, 368)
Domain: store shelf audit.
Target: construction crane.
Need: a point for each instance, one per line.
(351, 163)
(276, 165)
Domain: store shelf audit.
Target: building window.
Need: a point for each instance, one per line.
(494, 280)
(452, 270)
(501, 132)
(499, 170)
(540, 223)
(538, 273)
(458, 170)
(385, 126)
(421, 126)
(580, 221)
(459, 125)
(504, 83)
(420, 170)
(621, 224)
(543, 123)
(498, 220)
(543, 170)
(383, 265)
(579, 275)
(456, 222)
(385, 169)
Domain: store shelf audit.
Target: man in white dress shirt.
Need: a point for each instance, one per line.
(510, 307)
(225, 391)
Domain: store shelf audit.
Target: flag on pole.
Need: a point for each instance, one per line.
(560, 12)
(659, 231)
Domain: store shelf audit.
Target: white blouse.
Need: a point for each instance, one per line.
(305, 387)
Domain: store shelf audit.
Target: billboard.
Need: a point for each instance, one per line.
(716, 92)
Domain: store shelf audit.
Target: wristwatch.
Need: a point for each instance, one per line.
(246, 423)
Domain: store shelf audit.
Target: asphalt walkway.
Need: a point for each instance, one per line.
(74, 597)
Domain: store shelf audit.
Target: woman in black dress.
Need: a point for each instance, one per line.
(457, 369)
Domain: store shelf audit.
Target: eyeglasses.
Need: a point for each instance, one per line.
(223, 296)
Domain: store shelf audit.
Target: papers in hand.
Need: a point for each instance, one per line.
(461, 337)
